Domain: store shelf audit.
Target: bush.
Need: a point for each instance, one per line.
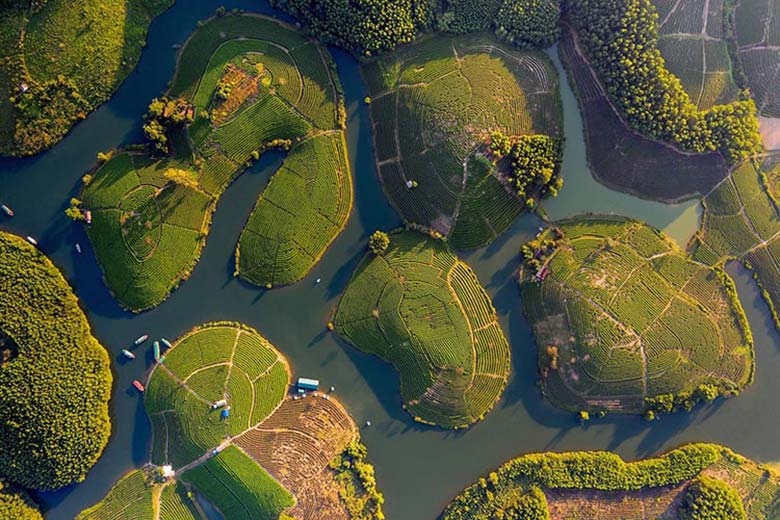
(711, 499)
(379, 242)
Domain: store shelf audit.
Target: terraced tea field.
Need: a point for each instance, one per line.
(420, 308)
(221, 417)
(693, 43)
(586, 485)
(624, 320)
(433, 105)
(758, 37)
(624, 160)
(252, 84)
(741, 220)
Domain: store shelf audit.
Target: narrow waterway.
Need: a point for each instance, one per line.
(419, 468)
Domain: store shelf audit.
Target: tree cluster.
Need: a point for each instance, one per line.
(365, 28)
(620, 39)
(535, 164)
(357, 483)
(378, 242)
(16, 505)
(711, 499)
(163, 115)
(54, 394)
(705, 392)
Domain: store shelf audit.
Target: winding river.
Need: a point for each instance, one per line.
(419, 468)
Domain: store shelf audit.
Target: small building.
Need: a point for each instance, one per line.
(167, 472)
(219, 404)
(307, 384)
(226, 412)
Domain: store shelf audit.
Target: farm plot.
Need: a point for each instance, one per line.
(420, 308)
(693, 44)
(741, 220)
(622, 317)
(585, 485)
(434, 105)
(758, 38)
(624, 160)
(137, 496)
(252, 84)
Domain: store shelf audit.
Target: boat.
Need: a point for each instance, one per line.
(32, 240)
(156, 347)
(8, 211)
(165, 342)
(128, 354)
(137, 384)
(141, 339)
(78, 248)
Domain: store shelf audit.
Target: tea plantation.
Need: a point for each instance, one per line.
(247, 84)
(55, 380)
(625, 322)
(586, 485)
(420, 308)
(434, 105)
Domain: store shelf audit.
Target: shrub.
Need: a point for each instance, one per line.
(379, 242)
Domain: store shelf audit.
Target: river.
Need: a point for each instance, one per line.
(419, 468)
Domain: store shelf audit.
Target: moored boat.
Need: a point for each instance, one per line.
(128, 354)
(8, 211)
(156, 347)
(78, 248)
(142, 339)
(165, 342)
(137, 384)
(31, 240)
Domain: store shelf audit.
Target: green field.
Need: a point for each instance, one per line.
(420, 308)
(758, 38)
(71, 55)
(55, 380)
(625, 322)
(587, 485)
(742, 220)
(434, 105)
(253, 84)
(693, 42)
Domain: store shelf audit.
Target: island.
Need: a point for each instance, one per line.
(47, 83)
(435, 106)
(416, 305)
(55, 380)
(626, 322)
(244, 84)
(692, 482)
(226, 428)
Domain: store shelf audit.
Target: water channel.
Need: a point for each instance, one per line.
(419, 468)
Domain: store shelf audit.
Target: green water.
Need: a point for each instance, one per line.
(419, 468)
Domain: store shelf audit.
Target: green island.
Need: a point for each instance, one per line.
(692, 482)
(61, 59)
(434, 107)
(223, 421)
(55, 380)
(626, 322)
(244, 84)
(419, 307)
(742, 221)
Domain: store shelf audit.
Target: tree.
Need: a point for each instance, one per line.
(500, 144)
(711, 499)
(74, 211)
(16, 505)
(162, 115)
(181, 177)
(379, 242)
(529, 23)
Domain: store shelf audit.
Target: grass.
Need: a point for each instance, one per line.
(584, 485)
(632, 318)
(55, 376)
(239, 487)
(92, 44)
(213, 362)
(433, 104)
(420, 308)
(283, 93)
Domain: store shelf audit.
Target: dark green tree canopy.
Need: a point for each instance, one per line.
(711, 499)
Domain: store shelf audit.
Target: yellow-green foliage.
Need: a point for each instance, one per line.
(420, 308)
(16, 505)
(71, 55)
(711, 499)
(357, 483)
(55, 380)
(434, 105)
(635, 323)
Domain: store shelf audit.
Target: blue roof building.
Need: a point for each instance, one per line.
(308, 384)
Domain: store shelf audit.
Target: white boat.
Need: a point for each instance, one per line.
(141, 339)
(78, 248)
(32, 240)
(156, 351)
(128, 354)
(8, 211)
(165, 342)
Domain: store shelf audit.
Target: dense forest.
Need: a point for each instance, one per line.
(16, 505)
